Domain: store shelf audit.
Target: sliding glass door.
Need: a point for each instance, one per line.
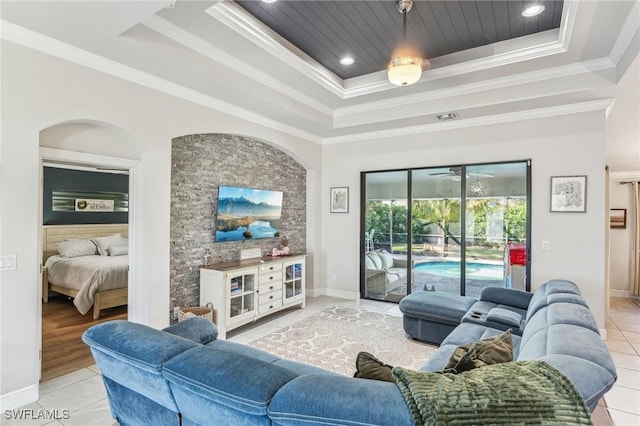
(454, 229)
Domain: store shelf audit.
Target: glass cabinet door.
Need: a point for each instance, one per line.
(242, 287)
(293, 280)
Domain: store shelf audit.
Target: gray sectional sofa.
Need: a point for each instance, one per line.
(185, 375)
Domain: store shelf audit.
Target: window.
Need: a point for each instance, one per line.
(420, 233)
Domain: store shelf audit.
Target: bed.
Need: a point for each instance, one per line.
(91, 280)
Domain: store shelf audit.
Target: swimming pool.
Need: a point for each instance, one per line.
(474, 270)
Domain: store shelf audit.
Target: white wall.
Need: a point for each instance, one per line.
(621, 239)
(564, 145)
(38, 92)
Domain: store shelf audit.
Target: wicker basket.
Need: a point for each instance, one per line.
(202, 311)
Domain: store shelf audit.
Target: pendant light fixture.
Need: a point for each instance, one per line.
(405, 68)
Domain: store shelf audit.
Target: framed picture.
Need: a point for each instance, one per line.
(340, 200)
(618, 218)
(569, 194)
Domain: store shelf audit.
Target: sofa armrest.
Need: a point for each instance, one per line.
(506, 296)
(344, 401)
(197, 329)
(402, 263)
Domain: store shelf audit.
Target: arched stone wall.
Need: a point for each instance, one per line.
(200, 164)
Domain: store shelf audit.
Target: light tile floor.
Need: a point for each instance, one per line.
(83, 395)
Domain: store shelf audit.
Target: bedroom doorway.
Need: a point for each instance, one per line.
(101, 148)
(85, 259)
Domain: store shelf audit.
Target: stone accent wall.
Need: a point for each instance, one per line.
(200, 164)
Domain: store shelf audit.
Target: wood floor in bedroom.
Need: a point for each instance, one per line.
(62, 327)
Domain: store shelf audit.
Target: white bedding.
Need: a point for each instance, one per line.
(88, 275)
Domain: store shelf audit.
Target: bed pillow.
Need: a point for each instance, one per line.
(118, 250)
(103, 243)
(494, 350)
(76, 248)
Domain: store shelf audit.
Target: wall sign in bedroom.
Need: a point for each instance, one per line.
(79, 197)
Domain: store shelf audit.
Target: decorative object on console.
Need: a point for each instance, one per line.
(280, 252)
(208, 259)
(569, 194)
(340, 200)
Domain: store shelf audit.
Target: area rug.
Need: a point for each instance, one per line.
(332, 338)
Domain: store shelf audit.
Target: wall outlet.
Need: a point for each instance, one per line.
(250, 253)
(176, 310)
(333, 278)
(546, 246)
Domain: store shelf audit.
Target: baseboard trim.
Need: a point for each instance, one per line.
(603, 333)
(20, 397)
(340, 294)
(622, 293)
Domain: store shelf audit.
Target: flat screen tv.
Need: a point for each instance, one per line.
(247, 213)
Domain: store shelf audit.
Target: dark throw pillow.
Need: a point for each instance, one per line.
(370, 367)
(489, 351)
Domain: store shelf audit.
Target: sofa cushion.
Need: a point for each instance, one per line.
(203, 374)
(133, 355)
(386, 258)
(198, 329)
(463, 334)
(435, 306)
(370, 367)
(493, 350)
(374, 258)
(339, 400)
(369, 264)
(504, 316)
(554, 291)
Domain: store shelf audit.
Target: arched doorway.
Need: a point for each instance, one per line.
(79, 149)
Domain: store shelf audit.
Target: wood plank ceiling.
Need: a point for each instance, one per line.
(370, 30)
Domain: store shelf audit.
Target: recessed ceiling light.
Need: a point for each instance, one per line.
(533, 10)
(347, 60)
(269, 1)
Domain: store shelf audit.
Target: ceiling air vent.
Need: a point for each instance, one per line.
(447, 117)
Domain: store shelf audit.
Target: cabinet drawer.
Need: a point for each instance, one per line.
(270, 306)
(270, 277)
(269, 297)
(270, 267)
(268, 287)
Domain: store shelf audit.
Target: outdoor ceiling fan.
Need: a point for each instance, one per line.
(454, 174)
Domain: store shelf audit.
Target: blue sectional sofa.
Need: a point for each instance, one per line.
(185, 375)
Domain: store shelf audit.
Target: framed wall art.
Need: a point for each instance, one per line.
(618, 218)
(340, 200)
(569, 194)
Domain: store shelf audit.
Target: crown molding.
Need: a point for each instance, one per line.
(481, 86)
(50, 46)
(196, 44)
(255, 31)
(627, 33)
(239, 20)
(531, 114)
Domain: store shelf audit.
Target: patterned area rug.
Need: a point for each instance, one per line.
(332, 338)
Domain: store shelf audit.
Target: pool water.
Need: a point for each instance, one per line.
(474, 270)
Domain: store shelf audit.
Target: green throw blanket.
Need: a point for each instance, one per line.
(523, 392)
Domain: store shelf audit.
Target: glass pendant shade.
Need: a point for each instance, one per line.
(404, 70)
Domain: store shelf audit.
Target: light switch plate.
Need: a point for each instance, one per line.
(250, 253)
(8, 262)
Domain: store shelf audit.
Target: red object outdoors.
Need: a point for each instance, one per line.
(517, 254)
